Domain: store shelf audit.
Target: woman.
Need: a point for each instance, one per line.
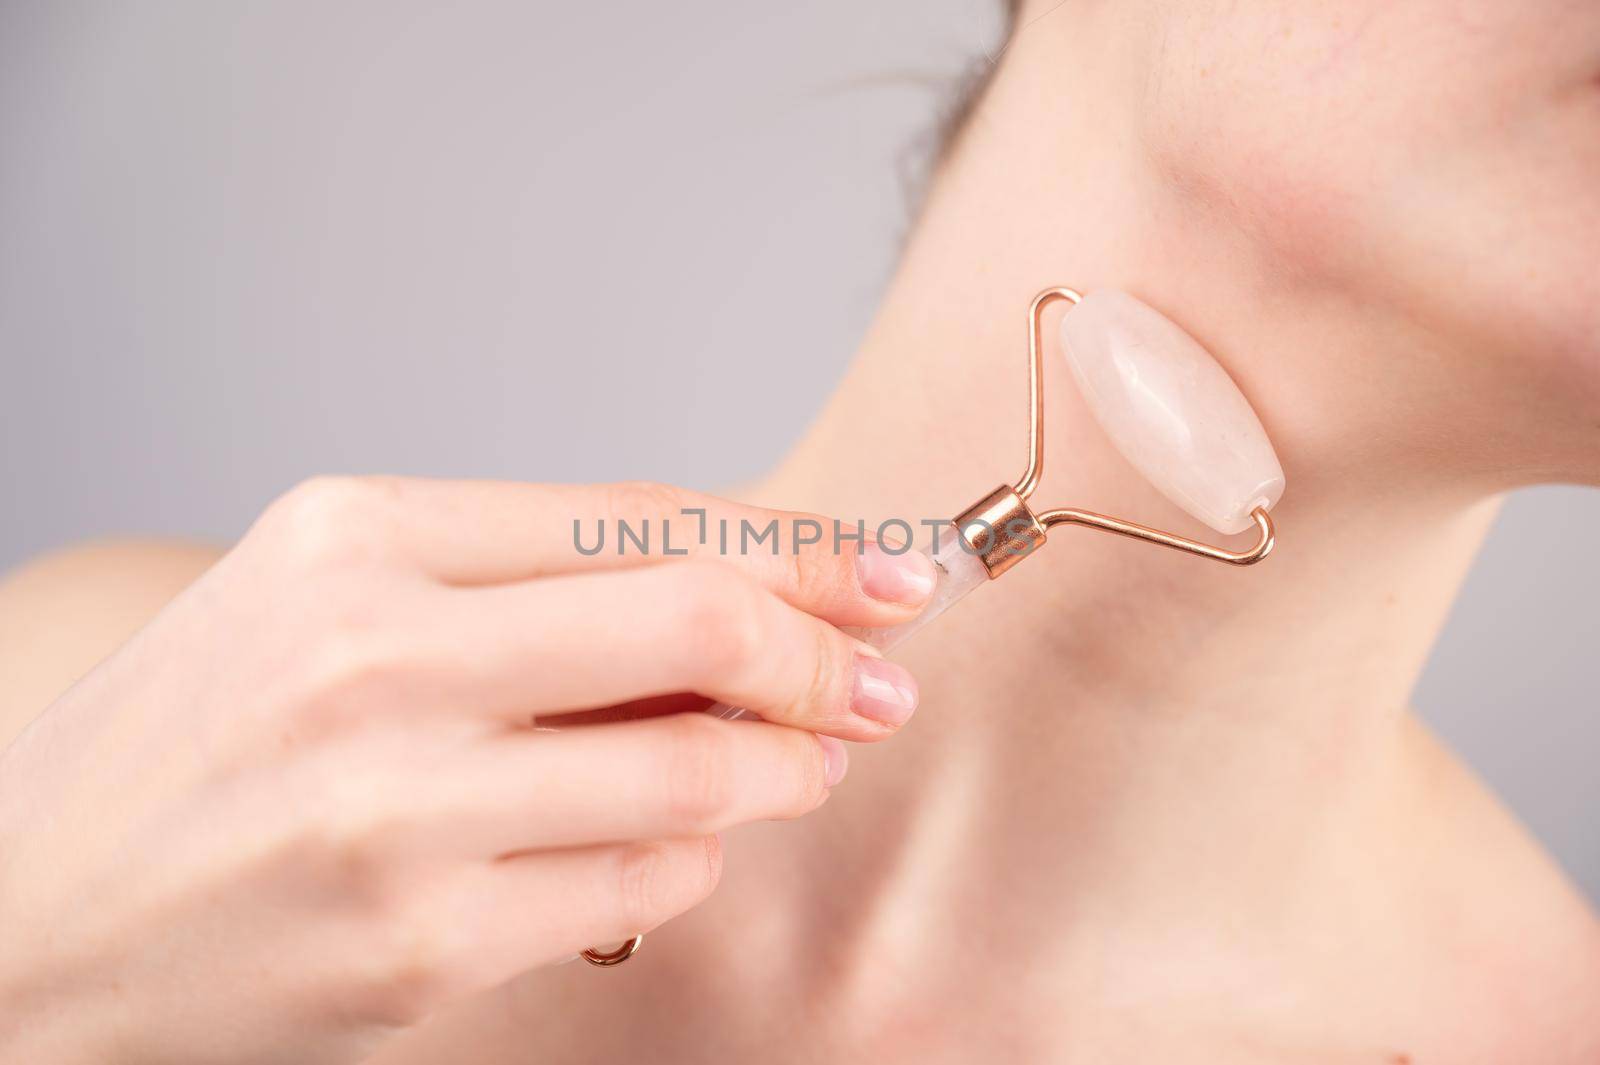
(1155, 809)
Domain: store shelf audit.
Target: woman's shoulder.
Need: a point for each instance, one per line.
(1511, 943)
(62, 612)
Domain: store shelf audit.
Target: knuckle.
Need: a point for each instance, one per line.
(713, 866)
(645, 884)
(352, 840)
(801, 576)
(824, 695)
(700, 790)
(332, 518)
(357, 658)
(818, 575)
(354, 667)
(385, 959)
(412, 963)
(644, 499)
(317, 500)
(810, 770)
(720, 619)
(407, 957)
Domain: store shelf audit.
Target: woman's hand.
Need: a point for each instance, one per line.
(307, 804)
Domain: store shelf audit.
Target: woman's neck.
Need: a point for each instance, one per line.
(1375, 532)
(1158, 719)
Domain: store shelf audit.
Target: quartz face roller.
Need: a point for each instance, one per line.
(1168, 407)
(1171, 410)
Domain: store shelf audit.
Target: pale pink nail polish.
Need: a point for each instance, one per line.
(906, 578)
(883, 692)
(835, 759)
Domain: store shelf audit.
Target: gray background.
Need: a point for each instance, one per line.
(245, 242)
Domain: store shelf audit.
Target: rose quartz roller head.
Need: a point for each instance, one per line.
(1170, 409)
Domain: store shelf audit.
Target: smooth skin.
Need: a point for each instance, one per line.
(331, 788)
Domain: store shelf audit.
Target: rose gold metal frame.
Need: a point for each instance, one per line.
(998, 553)
(1265, 539)
(1030, 479)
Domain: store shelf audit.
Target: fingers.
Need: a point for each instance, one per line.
(680, 776)
(510, 916)
(482, 532)
(570, 643)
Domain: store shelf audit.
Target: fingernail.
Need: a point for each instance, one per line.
(906, 578)
(835, 758)
(883, 691)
